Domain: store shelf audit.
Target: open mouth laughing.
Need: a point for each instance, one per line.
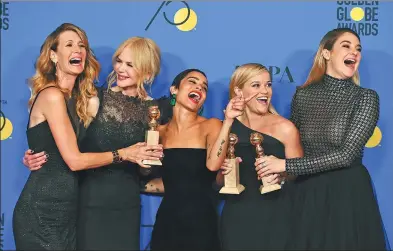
(195, 96)
(262, 100)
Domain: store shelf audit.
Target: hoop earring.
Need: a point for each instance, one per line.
(200, 112)
(173, 100)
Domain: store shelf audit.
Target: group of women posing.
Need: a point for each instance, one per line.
(87, 151)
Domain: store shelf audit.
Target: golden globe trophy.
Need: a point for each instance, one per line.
(152, 136)
(232, 180)
(256, 139)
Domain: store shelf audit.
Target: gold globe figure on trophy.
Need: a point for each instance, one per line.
(232, 180)
(152, 136)
(256, 140)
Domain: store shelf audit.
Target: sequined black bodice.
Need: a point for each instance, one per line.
(335, 119)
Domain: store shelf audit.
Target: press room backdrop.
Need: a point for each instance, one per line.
(215, 37)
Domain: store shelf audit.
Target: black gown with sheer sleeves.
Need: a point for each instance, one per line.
(109, 211)
(45, 214)
(334, 204)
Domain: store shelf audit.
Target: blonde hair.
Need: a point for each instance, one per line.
(146, 58)
(46, 72)
(318, 68)
(243, 74)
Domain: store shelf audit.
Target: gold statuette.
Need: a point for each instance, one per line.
(232, 180)
(256, 139)
(152, 136)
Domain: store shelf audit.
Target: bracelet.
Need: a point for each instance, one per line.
(116, 157)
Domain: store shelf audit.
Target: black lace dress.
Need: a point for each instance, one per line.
(335, 207)
(109, 216)
(46, 211)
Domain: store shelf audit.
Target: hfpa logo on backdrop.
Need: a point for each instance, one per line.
(360, 16)
(4, 15)
(6, 127)
(185, 19)
(279, 74)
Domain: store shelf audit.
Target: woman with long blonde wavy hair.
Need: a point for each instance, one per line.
(109, 216)
(110, 206)
(46, 212)
(260, 219)
(334, 204)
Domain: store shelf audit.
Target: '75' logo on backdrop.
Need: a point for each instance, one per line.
(185, 19)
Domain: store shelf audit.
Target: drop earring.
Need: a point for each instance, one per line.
(173, 100)
(200, 112)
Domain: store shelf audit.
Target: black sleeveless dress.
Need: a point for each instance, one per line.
(109, 211)
(334, 204)
(46, 211)
(187, 217)
(251, 220)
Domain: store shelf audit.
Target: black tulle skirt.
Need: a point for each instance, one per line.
(336, 210)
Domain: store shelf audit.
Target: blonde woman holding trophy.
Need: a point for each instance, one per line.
(251, 220)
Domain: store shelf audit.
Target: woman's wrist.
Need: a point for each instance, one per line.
(125, 155)
(117, 156)
(227, 122)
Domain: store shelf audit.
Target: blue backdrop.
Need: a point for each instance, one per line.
(216, 38)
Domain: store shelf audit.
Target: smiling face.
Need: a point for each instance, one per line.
(127, 75)
(261, 85)
(344, 58)
(192, 91)
(70, 54)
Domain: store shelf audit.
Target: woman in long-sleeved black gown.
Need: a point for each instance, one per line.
(334, 204)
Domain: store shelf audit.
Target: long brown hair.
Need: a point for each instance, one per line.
(318, 68)
(146, 58)
(243, 74)
(46, 72)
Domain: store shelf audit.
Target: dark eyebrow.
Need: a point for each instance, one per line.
(346, 41)
(198, 80)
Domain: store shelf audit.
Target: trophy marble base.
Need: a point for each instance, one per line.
(152, 162)
(233, 190)
(270, 188)
(232, 180)
(152, 138)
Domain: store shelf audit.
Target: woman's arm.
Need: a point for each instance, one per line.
(51, 102)
(361, 128)
(217, 143)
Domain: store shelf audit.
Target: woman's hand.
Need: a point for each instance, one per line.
(226, 167)
(140, 152)
(236, 106)
(268, 165)
(34, 161)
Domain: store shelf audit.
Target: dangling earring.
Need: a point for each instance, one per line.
(173, 99)
(200, 111)
(54, 61)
